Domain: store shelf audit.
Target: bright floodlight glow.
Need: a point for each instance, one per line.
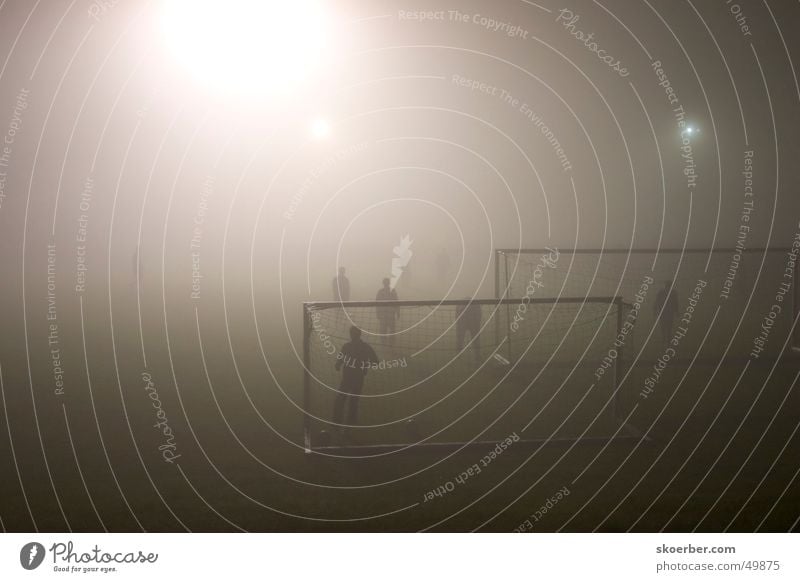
(320, 129)
(247, 45)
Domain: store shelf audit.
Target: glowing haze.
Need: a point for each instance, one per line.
(247, 45)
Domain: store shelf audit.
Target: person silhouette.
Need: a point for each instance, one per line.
(667, 303)
(341, 286)
(387, 314)
(354, 360)
(468, 320)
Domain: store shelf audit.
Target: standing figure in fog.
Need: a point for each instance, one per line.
(354, 359)
(341, 286)
(667, 299)
(387, 314)
(468, 320)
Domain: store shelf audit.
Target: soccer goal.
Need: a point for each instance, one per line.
(454, 373)
(725, 294)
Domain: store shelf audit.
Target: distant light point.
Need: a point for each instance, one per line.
(320, 129)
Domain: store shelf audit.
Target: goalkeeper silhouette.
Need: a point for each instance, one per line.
(354, 360)
(387, 314)
(468, 320)
(666, 303)
(341, 286)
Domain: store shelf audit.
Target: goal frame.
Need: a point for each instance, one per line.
(309, 307)
(501, 258)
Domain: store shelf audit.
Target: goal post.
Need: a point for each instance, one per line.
(730, 291)
(452, 373)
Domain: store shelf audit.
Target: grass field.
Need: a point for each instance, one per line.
(720, 451)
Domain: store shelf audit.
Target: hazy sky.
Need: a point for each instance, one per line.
(497, 122)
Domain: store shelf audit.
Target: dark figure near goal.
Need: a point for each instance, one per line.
(341, 287)
(468, 319)
(354, 360)
(387, 314)
(668, 300)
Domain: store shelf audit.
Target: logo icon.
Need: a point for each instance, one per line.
(31, 555)
(402, 255)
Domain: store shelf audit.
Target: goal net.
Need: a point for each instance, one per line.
(722, 296)
(449, 373)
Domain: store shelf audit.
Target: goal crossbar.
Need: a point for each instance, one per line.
(615, 304)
